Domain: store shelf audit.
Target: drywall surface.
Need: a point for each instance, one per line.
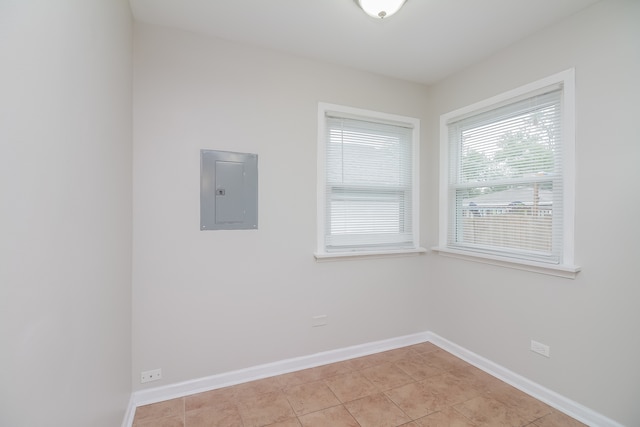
(590, 323)
(65, 220)
(208, 302)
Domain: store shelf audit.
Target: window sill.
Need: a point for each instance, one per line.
(342, 256)
(566, 271)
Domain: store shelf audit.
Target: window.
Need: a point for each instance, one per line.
(506, 185)
(367, 183)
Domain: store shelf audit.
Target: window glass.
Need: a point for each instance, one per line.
(368, 192)
(507, 175)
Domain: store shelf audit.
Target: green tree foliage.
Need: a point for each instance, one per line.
(523, 154)
(521, 151)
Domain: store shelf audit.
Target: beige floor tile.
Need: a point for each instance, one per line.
(374, 359)
(168, 408)
(450, 389)
(558, 419)
(448, 417)
(333, 369)
(381, 358)
(416, 400)
(485, 411)
(478, 379)
(530, 408)
(386, 376)
(265, 409)
(337, 416)
(301, 377)
(256, 388)
(392, 356)
(351, 386)
(175, 421)
(424, 347)
(415, 365)
(364, 362)
(292, 422)
(311, 397)
(223, 415)
(377, 411)
(444, 360)
(209, 398)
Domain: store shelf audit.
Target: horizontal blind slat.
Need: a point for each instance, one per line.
(505, 179)
(368, 184)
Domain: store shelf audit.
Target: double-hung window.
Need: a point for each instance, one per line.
(367, 183)
(506, 187)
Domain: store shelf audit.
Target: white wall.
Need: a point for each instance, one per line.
(591, 323)
(65, 216)
(207, 302)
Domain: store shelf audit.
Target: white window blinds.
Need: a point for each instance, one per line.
(368, 185)
(506, 179)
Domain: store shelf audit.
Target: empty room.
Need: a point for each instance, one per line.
(316, 213)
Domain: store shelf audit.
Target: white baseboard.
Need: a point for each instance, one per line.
(172, 391)
(551, 398)
(129, 414)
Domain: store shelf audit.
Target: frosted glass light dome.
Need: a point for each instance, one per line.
(380, 8)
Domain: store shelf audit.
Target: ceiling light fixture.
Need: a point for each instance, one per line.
(380, 9)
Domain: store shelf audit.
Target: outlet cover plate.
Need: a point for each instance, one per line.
(153, 375)
(540, 348)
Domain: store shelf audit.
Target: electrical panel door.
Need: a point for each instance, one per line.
(228, 190)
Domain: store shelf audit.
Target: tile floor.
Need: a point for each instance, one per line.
(416, 386)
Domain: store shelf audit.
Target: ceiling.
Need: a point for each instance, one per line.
(424, 42)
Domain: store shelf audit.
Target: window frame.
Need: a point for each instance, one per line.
(566, 267)
(324, 109)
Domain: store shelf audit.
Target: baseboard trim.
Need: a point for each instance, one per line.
(129, 414)
(557, 401)
(551, 398)
(172, 391)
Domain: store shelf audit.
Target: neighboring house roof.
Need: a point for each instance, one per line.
(522, 195)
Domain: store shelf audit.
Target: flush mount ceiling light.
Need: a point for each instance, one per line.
(380, 9)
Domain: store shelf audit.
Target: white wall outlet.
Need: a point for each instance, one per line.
(153, 375)
(320, 320)
(540, 348)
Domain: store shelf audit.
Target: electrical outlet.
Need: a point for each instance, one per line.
(540, 348)
(153, 375)
(320, 320)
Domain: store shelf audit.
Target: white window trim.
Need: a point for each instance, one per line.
(321, 254)
(567, 268)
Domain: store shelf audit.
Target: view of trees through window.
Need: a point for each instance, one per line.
(507, 170)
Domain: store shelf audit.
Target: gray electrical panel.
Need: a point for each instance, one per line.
(228, 190)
